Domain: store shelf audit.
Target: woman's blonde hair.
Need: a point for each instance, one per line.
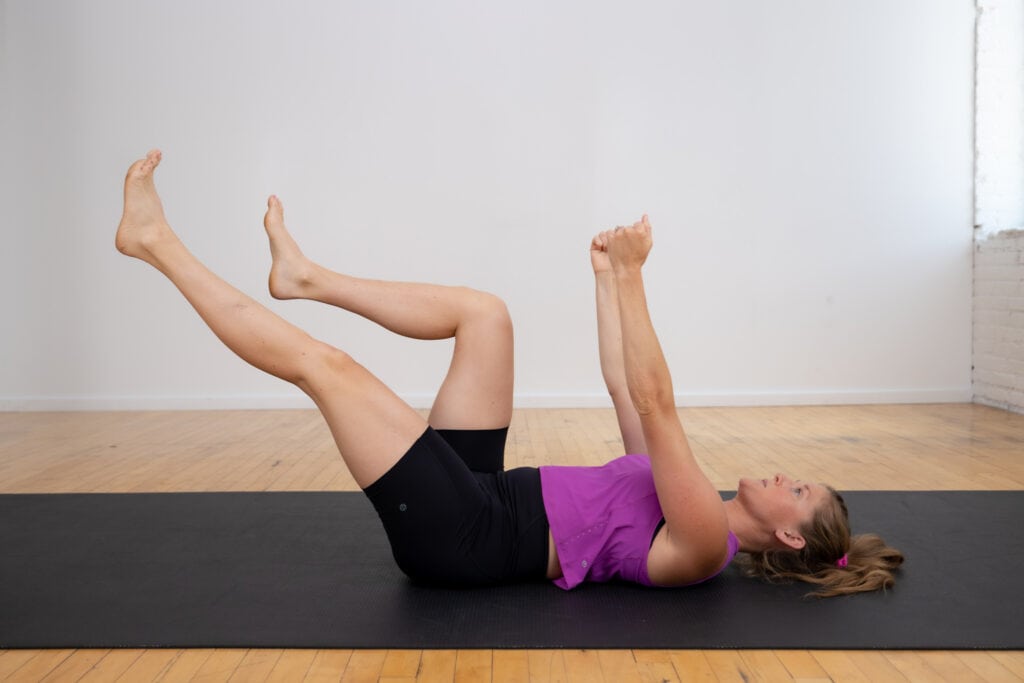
(831, 558)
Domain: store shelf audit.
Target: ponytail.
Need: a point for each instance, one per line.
(831, 558)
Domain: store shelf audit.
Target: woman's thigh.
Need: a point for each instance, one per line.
(372, 427)
(477, 391)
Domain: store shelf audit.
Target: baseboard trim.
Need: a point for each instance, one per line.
(1003, 405)
(524, 400)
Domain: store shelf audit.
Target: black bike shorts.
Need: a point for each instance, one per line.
(453, 526)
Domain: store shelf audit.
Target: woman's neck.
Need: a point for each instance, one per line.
(747, 531)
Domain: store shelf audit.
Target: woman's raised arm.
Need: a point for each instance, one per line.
(695, 518)
(609, 343)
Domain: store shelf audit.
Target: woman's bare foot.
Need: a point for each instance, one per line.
(291, 274)
(142, 223)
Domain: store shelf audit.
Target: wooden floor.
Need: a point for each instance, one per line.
(853, 447)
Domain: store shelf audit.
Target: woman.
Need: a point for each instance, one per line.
(451, 513)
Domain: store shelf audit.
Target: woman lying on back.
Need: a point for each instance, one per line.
(451, 512)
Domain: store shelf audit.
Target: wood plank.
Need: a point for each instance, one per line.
(764, 665)
(655, 665)
(728, 665)
(619, 666)
(912, 665)
(950, 667)
(364, 666)
(40, 664)
(1013, 661)
(875, 666)
(151, 665)
(401, 663)
(256, 665)
(839, 666)
(75, 666)
(662, 672)
(111, 666)
(693, 665)
(437, 666)
(986, 666)
(219, 666)
(292, 666)
(546, 666)
(509, 666)
(12, 660)
(801, 664)
(186, 665)
(583, 666)
(476, 665)
(328, 665)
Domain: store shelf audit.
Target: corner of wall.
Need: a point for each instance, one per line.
(998, 304)
(998, 338)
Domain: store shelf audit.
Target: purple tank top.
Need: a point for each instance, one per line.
(603, 520)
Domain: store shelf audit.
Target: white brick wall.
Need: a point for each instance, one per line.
(998, 376)
(999, 320)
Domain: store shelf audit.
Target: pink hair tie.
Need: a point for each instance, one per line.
(842, 561)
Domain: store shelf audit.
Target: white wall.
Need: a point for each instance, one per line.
(807, 166)
(998, 357)
(999, 117)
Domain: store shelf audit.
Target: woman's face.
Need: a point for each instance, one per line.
(781, 502)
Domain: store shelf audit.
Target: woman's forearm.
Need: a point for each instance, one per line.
(647, 374)
(609, 341)
(609, 333)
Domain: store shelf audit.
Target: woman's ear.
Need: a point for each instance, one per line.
(790, 539)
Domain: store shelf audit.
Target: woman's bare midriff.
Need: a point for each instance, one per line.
(554, 568)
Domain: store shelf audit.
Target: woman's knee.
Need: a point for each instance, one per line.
(322, 366)
(490, 311)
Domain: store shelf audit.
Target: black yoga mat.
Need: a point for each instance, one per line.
(314, 570)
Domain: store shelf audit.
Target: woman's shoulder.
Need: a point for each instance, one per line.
(672, 564)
